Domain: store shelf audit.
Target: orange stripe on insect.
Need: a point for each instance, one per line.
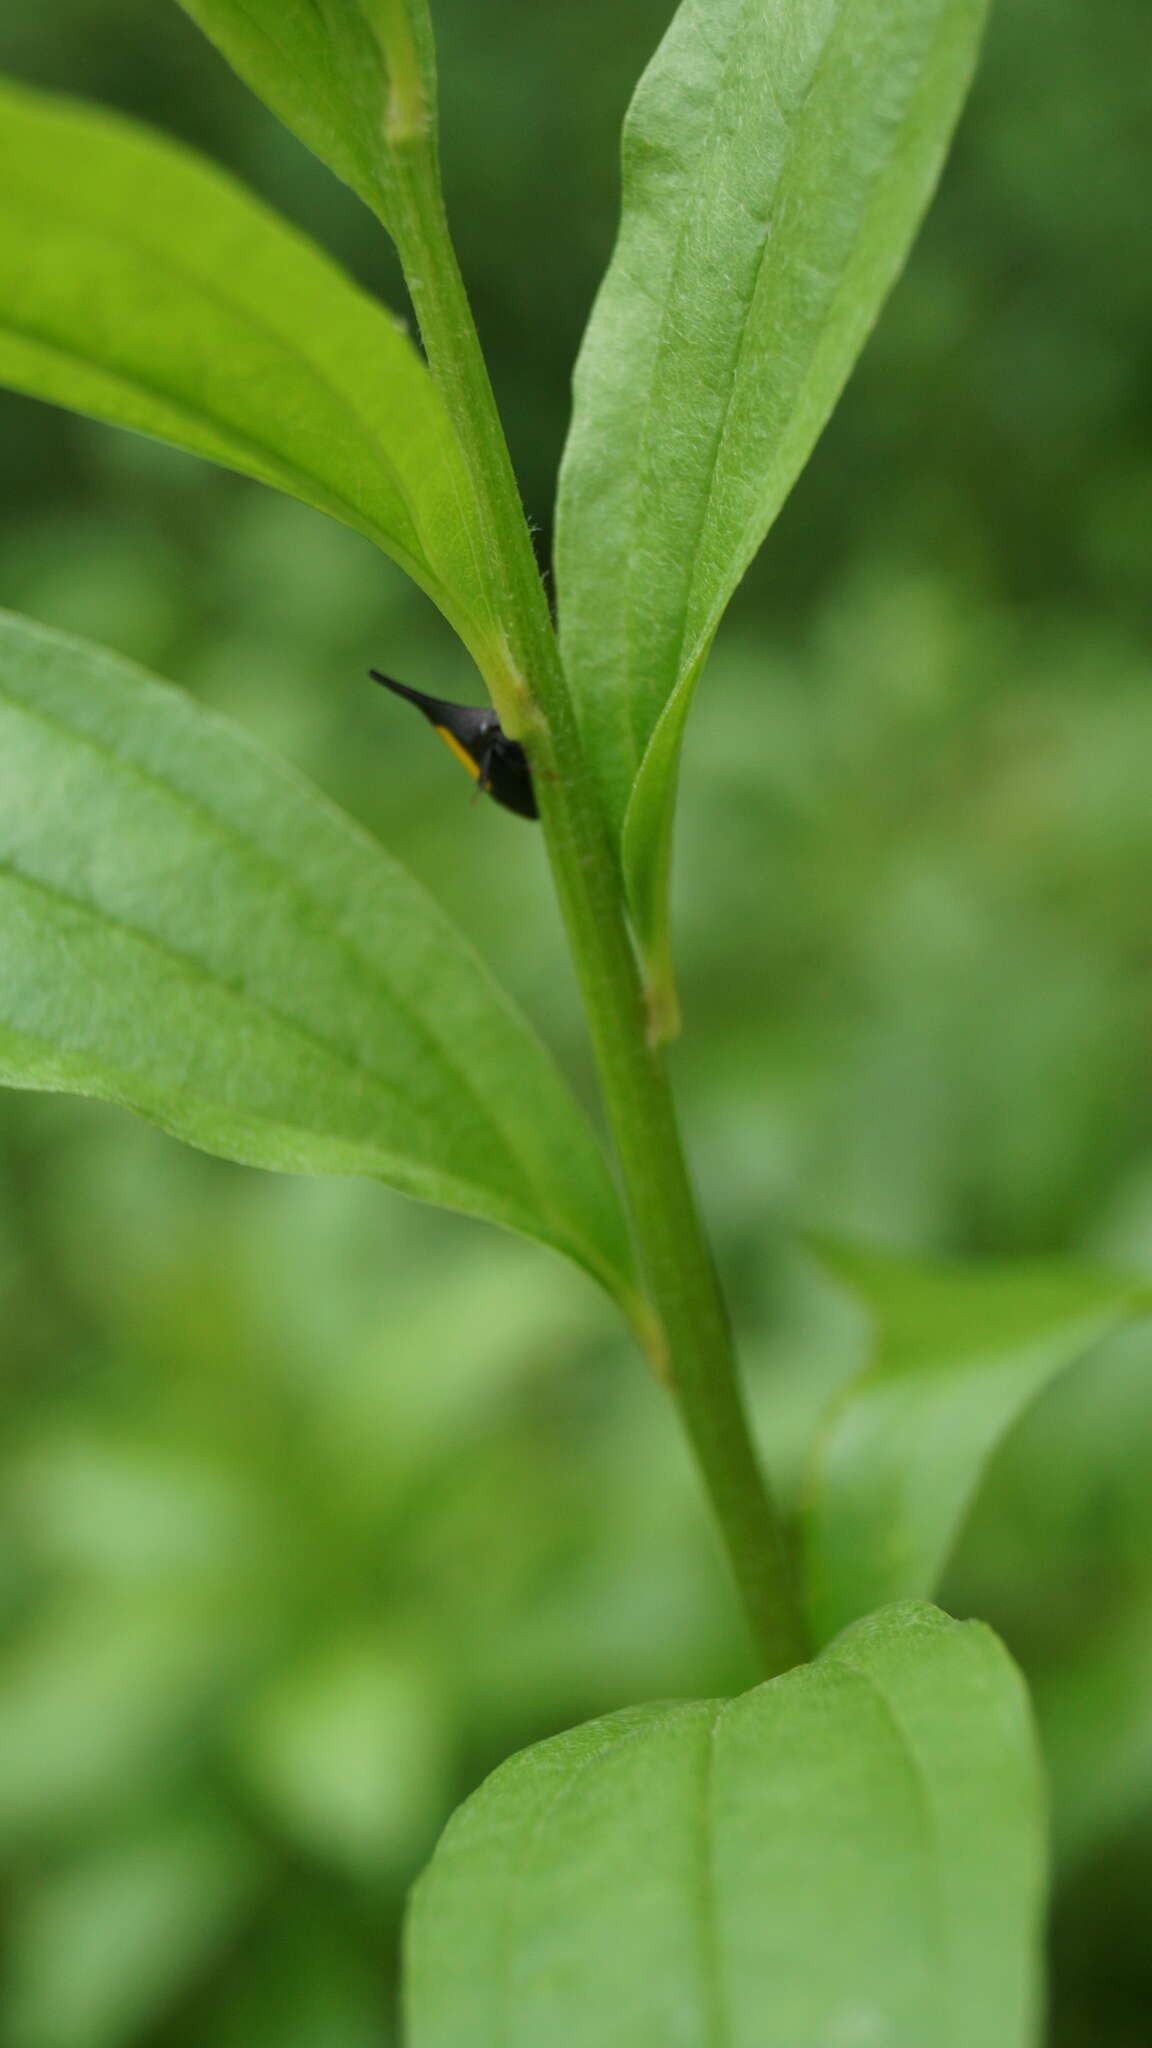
(462, 755)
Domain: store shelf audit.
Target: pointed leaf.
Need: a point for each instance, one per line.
(188, 929)
(141, 285)
(851, 1853)
(777, 159)
(337, 72)
(959, 1354)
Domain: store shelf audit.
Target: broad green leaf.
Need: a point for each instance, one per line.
(143, 286)
(959, 1354)
(339, 73)
(778, 156)
(188, 929)
(851, 1853)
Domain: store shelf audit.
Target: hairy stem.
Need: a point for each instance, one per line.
(688, 1334)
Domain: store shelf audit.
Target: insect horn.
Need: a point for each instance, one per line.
(401, 689)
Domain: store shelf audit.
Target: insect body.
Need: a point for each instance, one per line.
(475, 735)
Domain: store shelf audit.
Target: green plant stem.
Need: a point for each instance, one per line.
(685, 1325)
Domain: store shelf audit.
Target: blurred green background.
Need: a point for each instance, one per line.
(313, 1504)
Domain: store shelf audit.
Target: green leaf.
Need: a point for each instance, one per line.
(777, 159)
(188, 929)
(141, 285)
(959, 1354)
(851, 1853)
(342, 74)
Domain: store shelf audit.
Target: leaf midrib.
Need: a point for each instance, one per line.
(792, 133)
(520, 1863)
(922, 1792)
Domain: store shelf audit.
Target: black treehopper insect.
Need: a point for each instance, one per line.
(475, 735)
